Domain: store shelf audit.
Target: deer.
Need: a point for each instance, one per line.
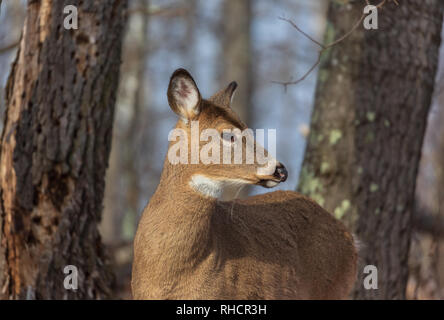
(190, 244)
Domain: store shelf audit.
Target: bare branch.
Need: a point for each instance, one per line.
(345, 36)
(301, 31)
(9, 47)
(323, 47)
(286, 84)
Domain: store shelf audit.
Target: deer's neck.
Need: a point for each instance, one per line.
(181, 222)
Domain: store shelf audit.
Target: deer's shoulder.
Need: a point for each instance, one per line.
(289, 213)
(286, 205)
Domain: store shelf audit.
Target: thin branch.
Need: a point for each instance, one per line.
(345, 36)
(301, 31)
(286, 84)
(324, 47)
(9, 47)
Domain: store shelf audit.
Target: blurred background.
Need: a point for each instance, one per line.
(219, 41)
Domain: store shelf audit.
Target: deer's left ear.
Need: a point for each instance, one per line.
(225, 96)
(230, 90)
(183, 95)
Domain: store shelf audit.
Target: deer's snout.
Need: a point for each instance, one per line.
(281, 172)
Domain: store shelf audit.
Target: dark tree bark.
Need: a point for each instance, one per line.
(55, 146)
(373, 96)
(426, 258)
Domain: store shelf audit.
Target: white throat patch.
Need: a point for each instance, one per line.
(212, 187)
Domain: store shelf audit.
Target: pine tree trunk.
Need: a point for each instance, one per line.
(373, 96)
(55, 146)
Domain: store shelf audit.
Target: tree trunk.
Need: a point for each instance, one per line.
(132, 154)
(426, 259)
(55, 146)
(237, 65)
(237, 53)
(122, 194)
(373, 95)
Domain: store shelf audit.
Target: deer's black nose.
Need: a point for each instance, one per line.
(281, 173)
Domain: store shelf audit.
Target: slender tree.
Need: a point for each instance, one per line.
(123, 195)
(54, 150)
(237, 53)
(372, 99)
(237, 56)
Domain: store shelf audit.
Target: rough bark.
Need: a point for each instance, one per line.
(373, 95)
(426, 259)
(55, 146)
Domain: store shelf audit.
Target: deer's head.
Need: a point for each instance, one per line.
(217, 149)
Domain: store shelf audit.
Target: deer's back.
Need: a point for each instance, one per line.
(281, 245)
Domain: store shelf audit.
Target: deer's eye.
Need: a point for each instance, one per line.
(228, 137)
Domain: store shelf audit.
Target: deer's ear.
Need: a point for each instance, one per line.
(224, 97)
(230, 90)
(183, 95)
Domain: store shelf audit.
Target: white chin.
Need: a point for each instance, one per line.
(271, 184)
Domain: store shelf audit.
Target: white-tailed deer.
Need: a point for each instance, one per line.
(190, 245)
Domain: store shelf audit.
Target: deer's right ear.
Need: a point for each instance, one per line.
(183, 95)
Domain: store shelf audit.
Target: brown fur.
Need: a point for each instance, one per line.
(279, 245)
